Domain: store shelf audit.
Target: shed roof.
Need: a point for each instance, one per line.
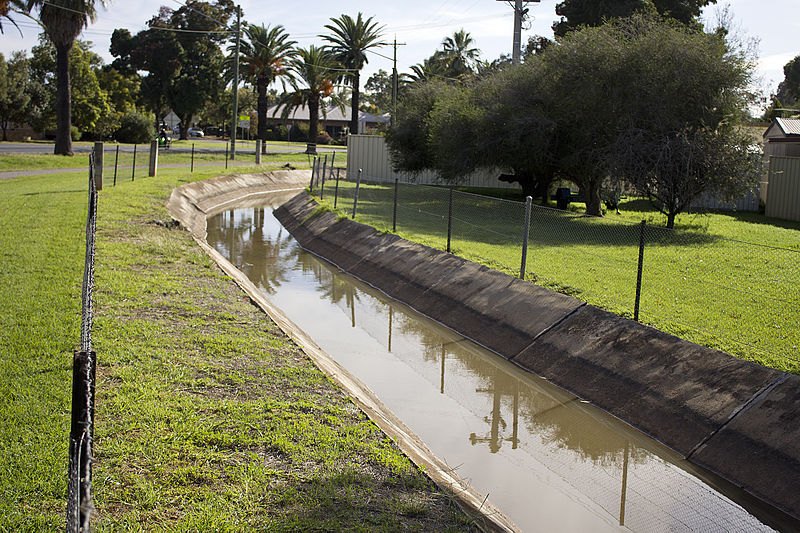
(787, 126)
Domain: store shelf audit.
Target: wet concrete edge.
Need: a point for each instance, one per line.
(722, 413)
(192, 203)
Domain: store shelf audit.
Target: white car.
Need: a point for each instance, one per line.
(196, 132)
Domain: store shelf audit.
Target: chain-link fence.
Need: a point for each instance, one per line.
(81, 436)
(735, 296)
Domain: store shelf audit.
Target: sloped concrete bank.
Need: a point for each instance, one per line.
(730, 416)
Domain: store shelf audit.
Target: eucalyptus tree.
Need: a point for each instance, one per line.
(314, 71)
(264, 55)
(350, 40)
(63, 21)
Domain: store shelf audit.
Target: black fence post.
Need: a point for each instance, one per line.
(355, 198)
(639, 271)
(394, 212)
(191, 166)
(133, 166)
(450, 220)
(336, 190)
(116, 160)
(321, 176)
(226, 155)
(525, 235)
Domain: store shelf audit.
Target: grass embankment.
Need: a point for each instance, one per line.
(208, 417)
(702, 283)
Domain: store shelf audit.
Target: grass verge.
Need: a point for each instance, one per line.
(208, 417)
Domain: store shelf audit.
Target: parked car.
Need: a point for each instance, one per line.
(196, 132)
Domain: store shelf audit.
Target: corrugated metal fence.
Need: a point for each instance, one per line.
(783, 189)
(370, 154)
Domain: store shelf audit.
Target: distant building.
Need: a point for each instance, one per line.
(334, 121)
(782, 138)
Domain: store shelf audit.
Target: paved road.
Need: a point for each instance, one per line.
(244, 148)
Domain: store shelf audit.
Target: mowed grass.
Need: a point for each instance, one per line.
(207, 417)
(725, 280)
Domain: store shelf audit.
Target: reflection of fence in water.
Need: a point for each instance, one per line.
(632, 484)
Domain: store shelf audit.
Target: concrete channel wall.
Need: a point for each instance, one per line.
(192, 203)
(735, 418)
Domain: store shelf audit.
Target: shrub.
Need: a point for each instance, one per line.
(75, 133)
(324, 138)
(136, 128)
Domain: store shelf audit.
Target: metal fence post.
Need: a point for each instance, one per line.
(321, 177)
(525, 235)
(336, 190)
(133, 169)
(191, 165)
(639, 271)
(450, 220)
(355, 198)
(116, 160)
(394, 212)
(333, 161)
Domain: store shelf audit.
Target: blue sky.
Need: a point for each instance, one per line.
(422, 24)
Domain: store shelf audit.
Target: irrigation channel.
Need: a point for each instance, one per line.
(548, 460)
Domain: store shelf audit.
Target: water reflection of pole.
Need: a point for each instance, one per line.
(515, 424)
(624, 487)
(444, 353)
(352, 302)
(390, 329)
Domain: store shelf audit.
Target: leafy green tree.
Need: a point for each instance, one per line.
(789, 88)
(88, 103)
(13, 97)
(184, 68)
(432, 68)
(576, 13)
(265, 53)
(378, 92)
(63, 21)
(350, 40)
(314, 71)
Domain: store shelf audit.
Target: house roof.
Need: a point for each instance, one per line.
(786, 126)
(333, 114)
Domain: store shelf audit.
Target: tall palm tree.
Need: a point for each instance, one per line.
(7, 6)
(350, 39)
(316, 68)
(459, 53)
(63, 21)
(264, 55)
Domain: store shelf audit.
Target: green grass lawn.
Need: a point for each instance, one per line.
(207, 417)
(725, 280)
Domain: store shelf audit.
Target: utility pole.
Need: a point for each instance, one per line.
(394, 83)
(235, 117)
(519, 14)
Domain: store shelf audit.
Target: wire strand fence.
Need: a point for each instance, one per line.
(81, 437)
(739, 297)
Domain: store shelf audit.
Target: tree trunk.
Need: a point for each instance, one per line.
(183, 126)
(262, 83)
(594, 205)
(671, 219)
(63, 102)
(354, 103)
(313, 122)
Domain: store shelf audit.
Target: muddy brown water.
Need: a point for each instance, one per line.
(548, 460)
